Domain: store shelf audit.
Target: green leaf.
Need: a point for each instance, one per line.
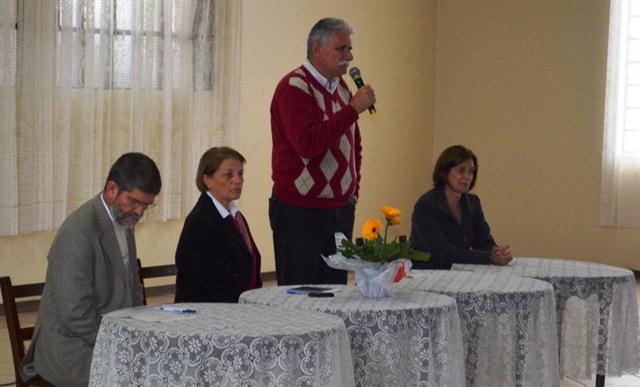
(419, 256)
(377, 251)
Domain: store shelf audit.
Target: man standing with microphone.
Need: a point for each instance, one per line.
(315, 157)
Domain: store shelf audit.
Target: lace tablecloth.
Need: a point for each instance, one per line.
(508, 325)
(410, 338)
(221, 345)
(597, 313)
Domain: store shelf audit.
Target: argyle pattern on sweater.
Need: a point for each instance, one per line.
(316, 154)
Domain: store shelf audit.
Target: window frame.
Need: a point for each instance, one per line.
(200, 83)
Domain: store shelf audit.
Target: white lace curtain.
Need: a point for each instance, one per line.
(620, 190)
(83, 81)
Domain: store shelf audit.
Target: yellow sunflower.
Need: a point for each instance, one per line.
(371, 228)
(390, 213)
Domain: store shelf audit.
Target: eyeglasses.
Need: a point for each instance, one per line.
(138, 204)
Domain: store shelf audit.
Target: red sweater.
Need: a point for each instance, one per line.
(316, 143)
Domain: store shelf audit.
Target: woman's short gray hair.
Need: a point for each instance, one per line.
(323, 28)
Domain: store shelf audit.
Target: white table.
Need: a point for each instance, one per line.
(508, 325)
(409, 338)
(221, 345)
(597, 313)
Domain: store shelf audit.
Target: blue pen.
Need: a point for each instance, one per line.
(176, 309)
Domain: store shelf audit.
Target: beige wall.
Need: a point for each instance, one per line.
(522, 84)
(394, 46)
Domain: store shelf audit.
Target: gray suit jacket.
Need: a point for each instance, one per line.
(86, 278)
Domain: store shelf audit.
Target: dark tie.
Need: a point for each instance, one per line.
(128, 232)
(132, 277)
(244, 231)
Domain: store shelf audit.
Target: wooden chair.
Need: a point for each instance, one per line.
(17, 334)
(154, 272)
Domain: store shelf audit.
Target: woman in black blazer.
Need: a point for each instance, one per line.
(448, 221)
(216, 256)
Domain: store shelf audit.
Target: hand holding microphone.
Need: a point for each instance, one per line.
(364, 98)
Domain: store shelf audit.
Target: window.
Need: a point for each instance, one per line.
(629, 78)
(100, 29)
(620, 183)
(83, 81)
(203, 46)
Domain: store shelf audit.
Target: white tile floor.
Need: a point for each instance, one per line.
(7, 376)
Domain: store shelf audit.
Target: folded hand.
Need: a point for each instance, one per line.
(501, 255)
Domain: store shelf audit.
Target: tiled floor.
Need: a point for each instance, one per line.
(7, 376)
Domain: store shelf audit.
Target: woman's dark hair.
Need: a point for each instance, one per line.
(211, 160)
(135, 170)
(449, 158)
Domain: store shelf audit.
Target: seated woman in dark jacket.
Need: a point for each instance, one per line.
(216, 257)
(448, 222)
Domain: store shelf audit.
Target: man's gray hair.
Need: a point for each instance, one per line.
(323, 28)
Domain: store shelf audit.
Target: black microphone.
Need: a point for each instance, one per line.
(357, 78)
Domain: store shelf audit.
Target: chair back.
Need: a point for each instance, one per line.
(154, 272)
(18, 334)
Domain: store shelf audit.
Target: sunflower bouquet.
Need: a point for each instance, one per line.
(375, 248)
(376, 262)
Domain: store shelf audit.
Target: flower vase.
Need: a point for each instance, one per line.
(377, 282)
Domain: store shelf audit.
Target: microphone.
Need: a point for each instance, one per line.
(357, 79)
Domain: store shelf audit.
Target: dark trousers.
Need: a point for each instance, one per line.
(301, 235)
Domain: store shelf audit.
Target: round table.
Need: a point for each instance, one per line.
(597, 313)
(508, 325)
(408, 338)
(221, 345)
